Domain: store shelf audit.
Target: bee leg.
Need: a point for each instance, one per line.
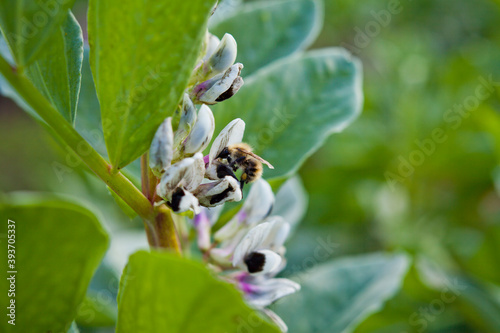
(242, 183)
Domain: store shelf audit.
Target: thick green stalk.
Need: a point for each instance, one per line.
(165, 230)
(120, 184)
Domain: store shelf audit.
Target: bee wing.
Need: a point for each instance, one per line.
(257, 157)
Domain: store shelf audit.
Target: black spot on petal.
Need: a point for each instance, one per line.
(255, 262)
(176, 199)
(221, 196)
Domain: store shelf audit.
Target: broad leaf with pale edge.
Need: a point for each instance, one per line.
(59, 244)
(28, 25)
(271, 30)
(337, 296)
(160, 292)
(293, 105)
(142, 65)
(57, 71)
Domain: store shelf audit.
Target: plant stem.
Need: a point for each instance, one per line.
(165, 230)
(120, 184)
(148, 179)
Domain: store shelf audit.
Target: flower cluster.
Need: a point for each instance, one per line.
(248, 251)
(175, 157)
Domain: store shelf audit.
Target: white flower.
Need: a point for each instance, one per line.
(217, 192)
(256, 208)
(220, 87)
(220, 59)
(180, 179)
(260, 251)
(201, 134)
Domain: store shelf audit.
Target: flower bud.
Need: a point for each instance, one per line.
(220, 87)
(187, 121)
(223, 57)
(201, 134)
(161, 151)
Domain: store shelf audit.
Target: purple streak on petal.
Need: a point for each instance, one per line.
(242, 215)
(201, 219)
(206, 159)
(247, 288)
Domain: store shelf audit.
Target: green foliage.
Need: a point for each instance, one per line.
(94, 312)
(28, 25)
(51, 280)
(141, 66)
(337, 296)
(288, 26)
(186, 298)
(57, 70)
(322, 86)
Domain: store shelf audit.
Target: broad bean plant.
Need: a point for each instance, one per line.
(196, 116)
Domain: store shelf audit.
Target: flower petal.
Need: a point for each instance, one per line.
(202, 132)
(161, 151)
(251, 242)
(202, 224)
(277, 234)
(276, 319)
(231, 134)
(262, 262)
(215, 193)
(209, 93)
(185, 173)
(211, 42)
(183, 201)
(187, 121)
(233, 89)
(259, 202)
(267, 291)
(223, 57)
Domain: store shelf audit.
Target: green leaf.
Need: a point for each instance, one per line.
(58, 245)
(292, 106)
(57, 71)
(337, 296)
(160, 292)
(96, 311)
(142, 65)
(271, 30)
(479, 303)
(88, 123)
(28, 25)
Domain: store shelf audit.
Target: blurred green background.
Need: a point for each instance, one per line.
(373, 187)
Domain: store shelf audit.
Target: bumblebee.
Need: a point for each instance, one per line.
(240, 156)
